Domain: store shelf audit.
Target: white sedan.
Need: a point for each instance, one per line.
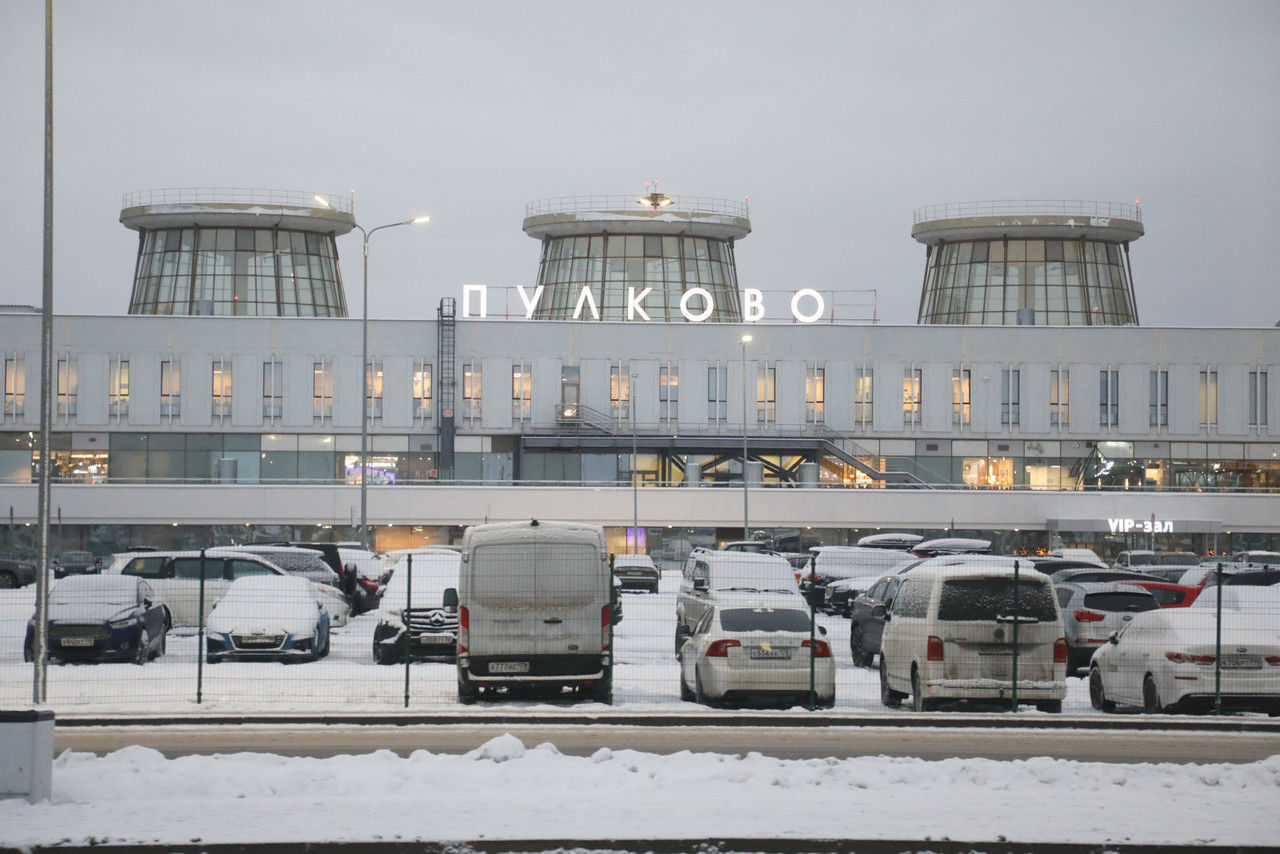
(1167, 660)
(756, 648)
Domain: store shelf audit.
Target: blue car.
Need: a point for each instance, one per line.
(102, 618)
(272, 617)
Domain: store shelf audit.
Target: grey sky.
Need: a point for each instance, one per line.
(838, 119)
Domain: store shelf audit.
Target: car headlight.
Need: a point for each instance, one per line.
(122, 622)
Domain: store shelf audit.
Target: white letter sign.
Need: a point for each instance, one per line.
(813, 295)
(470, 290)
(633, 303)
(752, 305)
(706, 311)
(530, 304)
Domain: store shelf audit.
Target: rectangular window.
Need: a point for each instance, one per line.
(668, 394)
(67, 388)
(815, 394)
(15, 388)
(221, 389)
(373, 390)
(1208, 398)
(717, 394)
(272, 390)
(863, 383)
(961, 402)
(1059, 397)
(170, 388)
(1108, 398)
(911, 397)
(1158, 400)
(118, 388)
(620, 392)
(1257, 398)
(767, 394)
(1011, 396)
(471, 382)
(422, 392)
(322, 392)
(521, 392)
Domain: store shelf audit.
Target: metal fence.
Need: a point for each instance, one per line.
(852, 629)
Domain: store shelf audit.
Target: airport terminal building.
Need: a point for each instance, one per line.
(639, 381)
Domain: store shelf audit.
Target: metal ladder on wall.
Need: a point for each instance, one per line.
(446, 362)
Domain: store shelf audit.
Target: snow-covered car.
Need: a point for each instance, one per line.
(102, 618)
(858, 566)
(1167, 660)
(268, 617)
(750, 647)
(311, 565)
(370, 575)
(418, 613)
(1092, 610)
(1081, 555)
(183, 578)
(636, 572)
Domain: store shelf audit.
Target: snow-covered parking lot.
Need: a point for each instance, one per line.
(645, 677)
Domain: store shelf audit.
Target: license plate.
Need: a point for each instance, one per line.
(1240, 662)
(757, 652)
(437, 639)
(508, 667)
(77, 641)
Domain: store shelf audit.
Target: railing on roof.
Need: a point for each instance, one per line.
(236, 196)
(589, 204)
(959, 210)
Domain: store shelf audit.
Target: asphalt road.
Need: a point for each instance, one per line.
(809, 742)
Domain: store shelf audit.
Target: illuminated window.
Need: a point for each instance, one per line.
(996, 472)
(521, 392)
(911, 379)
(767, 394)
(815, 394)
(620, 392)
(422, 392)
(471, 392)
(961, 406)
(1011, 396)
(1059, 397)
(1208, 398)
(668, 394)
(68, 385)
(373, 390)
(15, 388)
(272, 390)
(221, 389)
(322, 392)
(1158, 404)
(863, 384)
(118, 389)
(170, 388)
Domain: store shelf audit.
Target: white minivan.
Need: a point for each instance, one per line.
(535, 610)
(708, 574)
(950, 635)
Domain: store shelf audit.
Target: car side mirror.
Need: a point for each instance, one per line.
(701, 585)
(880, 612)
(146, 603)
(887, 615)
(815, 596)
(451, 598)
(1113, 638)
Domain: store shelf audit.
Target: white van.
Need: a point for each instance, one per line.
(710, 573)
(535, 609)
(949, 635)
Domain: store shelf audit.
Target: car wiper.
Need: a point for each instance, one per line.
(740, 590)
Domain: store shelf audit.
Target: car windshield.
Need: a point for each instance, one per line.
(1120, 601)
(764, 620)
(98, 589)
(990, 598)
(310, 568)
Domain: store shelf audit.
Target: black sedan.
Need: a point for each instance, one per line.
(103, 618)
(76, 563)
(15, 572)
(866, 623)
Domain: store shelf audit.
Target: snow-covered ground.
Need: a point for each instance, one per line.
(645, 677)
(505, 790)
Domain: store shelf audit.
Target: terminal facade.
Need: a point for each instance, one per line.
(169, 424)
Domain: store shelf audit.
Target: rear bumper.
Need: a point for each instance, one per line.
(562, 669)
(728, 682)
(985, 689)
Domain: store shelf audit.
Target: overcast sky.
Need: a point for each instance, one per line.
(837, 119)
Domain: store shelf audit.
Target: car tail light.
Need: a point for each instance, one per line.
(605, 614)
(1060, 651)
(1188, 658)
(934, 649)
(1273, 659)
(370, 584)
(720, 648)
(821, 649)
(1088, 616)
(464, 629)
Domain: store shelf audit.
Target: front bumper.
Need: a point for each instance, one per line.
(223, 647)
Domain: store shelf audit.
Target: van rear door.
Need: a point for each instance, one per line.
(976, 618)
(540, 598)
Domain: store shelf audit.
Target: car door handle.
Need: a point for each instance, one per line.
(553, 620)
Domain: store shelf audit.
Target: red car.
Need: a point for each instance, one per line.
(1169, 595)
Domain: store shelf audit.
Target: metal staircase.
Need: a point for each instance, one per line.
(845, 449)
(446, 382)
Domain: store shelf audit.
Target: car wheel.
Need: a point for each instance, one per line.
(888, 696)
(682, 635)
(160, 647)
(858, 649)
(382, 654)
(8, 582)
(143, 653)
(467, 693)
(604, 689)
(699, 695)
(1097, 697)
(1151, 696)
(685, 693)
(918, 701)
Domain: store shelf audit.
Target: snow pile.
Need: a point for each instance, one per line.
(503, 790)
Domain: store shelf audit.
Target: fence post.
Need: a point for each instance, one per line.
(200, 637)
(408, 636)
(1217, 643)
(813, 621)
(1017, 613)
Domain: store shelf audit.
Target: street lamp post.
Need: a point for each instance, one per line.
(746, 534)
(364, 370)
(635, 483)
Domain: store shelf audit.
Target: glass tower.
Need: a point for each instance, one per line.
(237, 252)
(1028, 263)
(603, 254)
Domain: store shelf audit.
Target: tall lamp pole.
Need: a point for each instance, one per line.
(364, 370)
(635, 483)
(746, 534)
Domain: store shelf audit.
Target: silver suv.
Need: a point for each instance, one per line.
(1092, 610)
(709, 574)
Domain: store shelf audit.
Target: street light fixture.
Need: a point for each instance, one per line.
(744, 341)
(364, 369)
